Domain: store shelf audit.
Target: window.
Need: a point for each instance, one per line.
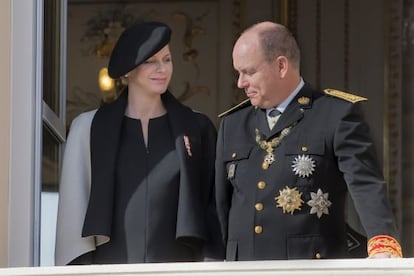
(53, 126)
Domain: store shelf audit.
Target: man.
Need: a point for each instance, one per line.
(286, 158)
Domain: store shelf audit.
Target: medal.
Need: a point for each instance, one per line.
(187, 145)
(319, 203)
(270, 146)
(269, 159)
(232, 169)
(303, 165)
(289, 200)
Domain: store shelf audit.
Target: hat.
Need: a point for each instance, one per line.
(135, 45)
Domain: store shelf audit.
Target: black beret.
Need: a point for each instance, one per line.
(135, 45)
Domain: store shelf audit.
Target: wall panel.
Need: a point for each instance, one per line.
(5, 30)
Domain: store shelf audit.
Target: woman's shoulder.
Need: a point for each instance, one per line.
(201, 116)
(182, 111)
(84, 116)
(82, 120)
(200, 120)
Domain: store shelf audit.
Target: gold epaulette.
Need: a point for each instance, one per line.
(244, 103)
(344, 95)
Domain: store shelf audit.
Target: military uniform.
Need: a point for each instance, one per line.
(281, 193)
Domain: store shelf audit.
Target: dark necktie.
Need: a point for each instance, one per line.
(274, 113)
(273, 116)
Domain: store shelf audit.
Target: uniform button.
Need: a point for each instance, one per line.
(318, 255)
(258, 206)
(258, 229)
(233, 155)
(261, 185)
(304, 149)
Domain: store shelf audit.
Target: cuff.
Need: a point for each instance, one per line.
(384, 243)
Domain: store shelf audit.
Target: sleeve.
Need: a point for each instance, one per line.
(214, 249)
(357, 160)
(223, 190)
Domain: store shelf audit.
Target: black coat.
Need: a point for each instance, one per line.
(327, 132)
(197, 224)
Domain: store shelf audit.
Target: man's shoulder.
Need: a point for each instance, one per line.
(346, 96)
(245, 103)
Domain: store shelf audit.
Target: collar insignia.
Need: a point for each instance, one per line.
(303, 100)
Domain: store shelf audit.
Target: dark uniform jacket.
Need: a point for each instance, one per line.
(295, 208)
(81, 229)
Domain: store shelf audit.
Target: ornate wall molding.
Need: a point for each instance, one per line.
(392, 101)
(236, 30)
(407, 102)
(94, 26)
(346, 44)
(318, 43)
(288, 14)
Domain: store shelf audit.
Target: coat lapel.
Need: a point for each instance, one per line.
(261, 122)
(295, 110)
(187, 137)
(104, 141)
(105, 136)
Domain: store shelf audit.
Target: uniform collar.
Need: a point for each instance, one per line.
(282, 106)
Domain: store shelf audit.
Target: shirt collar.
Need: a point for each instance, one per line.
(282, 106)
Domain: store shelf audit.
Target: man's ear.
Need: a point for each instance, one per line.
(282, 64)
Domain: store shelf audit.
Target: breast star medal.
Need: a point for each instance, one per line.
(289, 200)
(270, 146)
(319, 203)
(303, 165)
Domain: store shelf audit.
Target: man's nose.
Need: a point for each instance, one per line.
(241, 82)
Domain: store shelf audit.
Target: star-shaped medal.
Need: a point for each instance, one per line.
(303, 165)
(319, 203)
(289, 199)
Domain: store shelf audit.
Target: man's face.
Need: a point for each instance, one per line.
(259, 79)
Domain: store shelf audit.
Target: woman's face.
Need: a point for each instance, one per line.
(154, 74)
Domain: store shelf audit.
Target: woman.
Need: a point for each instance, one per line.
(138, 173)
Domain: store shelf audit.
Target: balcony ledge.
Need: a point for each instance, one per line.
(366, 267)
